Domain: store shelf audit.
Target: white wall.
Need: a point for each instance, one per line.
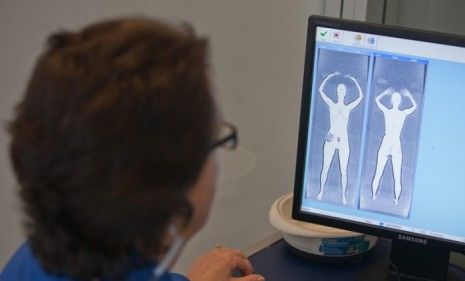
(257, 55)
(438, 15)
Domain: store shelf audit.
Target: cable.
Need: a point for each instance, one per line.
(396, 270)
(383, 20)
(341, 10)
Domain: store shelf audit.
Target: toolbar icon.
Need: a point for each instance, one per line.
(371, 41)
(336, 36)
(323, 34)
(358, 39)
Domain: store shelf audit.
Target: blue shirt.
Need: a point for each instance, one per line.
(24, 266)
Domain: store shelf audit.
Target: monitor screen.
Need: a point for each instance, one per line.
(382, 132)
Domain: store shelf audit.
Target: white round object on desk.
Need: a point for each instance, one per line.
(316, 239)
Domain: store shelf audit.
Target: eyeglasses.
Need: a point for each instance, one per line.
(228, 137)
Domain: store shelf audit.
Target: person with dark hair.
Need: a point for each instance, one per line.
(113, 146)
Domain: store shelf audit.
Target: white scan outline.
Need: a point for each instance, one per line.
(391, 145)
(337, 137)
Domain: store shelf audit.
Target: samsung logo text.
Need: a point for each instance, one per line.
(412, 239)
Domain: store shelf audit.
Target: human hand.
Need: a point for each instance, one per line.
(219, 264)
(405, 92)
(350, 77)
(389, 91)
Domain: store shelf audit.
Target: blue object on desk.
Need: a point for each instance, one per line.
(278, 263)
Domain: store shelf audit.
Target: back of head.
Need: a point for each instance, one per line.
(114, 127)
(396, 99)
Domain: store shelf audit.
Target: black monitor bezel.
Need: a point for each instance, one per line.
(376, 29)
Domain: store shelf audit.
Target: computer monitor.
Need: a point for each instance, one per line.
(381, 145)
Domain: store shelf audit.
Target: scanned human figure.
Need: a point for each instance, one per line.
(337, 137)
(391, 145)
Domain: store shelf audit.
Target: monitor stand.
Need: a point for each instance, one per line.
(409, 262)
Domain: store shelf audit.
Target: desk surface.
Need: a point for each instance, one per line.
(278, 263)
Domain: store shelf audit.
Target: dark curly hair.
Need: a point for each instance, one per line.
(114, 128)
